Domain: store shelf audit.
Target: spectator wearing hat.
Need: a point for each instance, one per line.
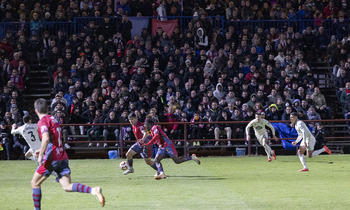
(106, 89)
(310, 88)
(74, 74)
(296, 104)
(219, 91)
(252, 101)
(69, 96)
(272, 113)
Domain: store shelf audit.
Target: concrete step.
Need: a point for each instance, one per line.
(39, 84)
(43, 90)
(35, 96)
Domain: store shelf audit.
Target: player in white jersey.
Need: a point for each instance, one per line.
(29, 132)
(259, 126)
(308, 141)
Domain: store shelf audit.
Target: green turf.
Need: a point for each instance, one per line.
(218, 183)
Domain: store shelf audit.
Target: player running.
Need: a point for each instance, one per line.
(308, 142)
(259, 126)
(166, 148)
(30, 134)
(139, 148)
(52, 157)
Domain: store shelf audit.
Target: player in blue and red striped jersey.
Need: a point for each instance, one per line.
(52, 157)
(166, 148)
(138, 148)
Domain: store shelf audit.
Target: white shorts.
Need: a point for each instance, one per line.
(311, 144)
(261, 137)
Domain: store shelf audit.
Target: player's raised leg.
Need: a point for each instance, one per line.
(67, 186)
(319, 151)
(182, 159)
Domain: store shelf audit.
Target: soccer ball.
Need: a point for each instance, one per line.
(123, 165)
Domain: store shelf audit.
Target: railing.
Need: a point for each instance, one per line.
(298, 25)
(185, 133)
(218, 22)
(30, 29)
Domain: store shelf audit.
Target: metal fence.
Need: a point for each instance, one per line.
(217, 22)
(30, 28)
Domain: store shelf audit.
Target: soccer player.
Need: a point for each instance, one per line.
(259, 126)
(308, 142)
(52, 157)
(166, 148)
(138, 148)
(29, 132)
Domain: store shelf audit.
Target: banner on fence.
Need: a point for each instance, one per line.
(137, 25)
(168, 26)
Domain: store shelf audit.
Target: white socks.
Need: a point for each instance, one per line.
(317, 152)
(268, 150)
(302, 160)
(92, 191)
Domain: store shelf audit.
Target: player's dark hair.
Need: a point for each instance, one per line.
(40, 106)
(294, 114)
(132, 115)
(27, 118)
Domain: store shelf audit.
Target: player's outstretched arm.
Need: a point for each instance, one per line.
(144, 136)
(153, 140)
(14, 129)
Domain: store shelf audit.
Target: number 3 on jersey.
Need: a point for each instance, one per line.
(32, 137)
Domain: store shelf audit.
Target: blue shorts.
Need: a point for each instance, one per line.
(60, 167)
(167, 151)
(145, 152)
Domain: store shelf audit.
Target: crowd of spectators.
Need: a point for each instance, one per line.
(198, 73)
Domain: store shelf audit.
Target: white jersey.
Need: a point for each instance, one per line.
(30, 134)
(304, 133)
(260, 128)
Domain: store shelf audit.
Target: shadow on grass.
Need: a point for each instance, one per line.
(186, 177)
(197, 177)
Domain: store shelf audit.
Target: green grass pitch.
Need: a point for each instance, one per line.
(218, 183)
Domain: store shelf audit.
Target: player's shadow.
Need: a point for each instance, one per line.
(198, 177)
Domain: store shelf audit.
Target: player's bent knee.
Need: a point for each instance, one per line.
(34, 184)
(67, 188)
